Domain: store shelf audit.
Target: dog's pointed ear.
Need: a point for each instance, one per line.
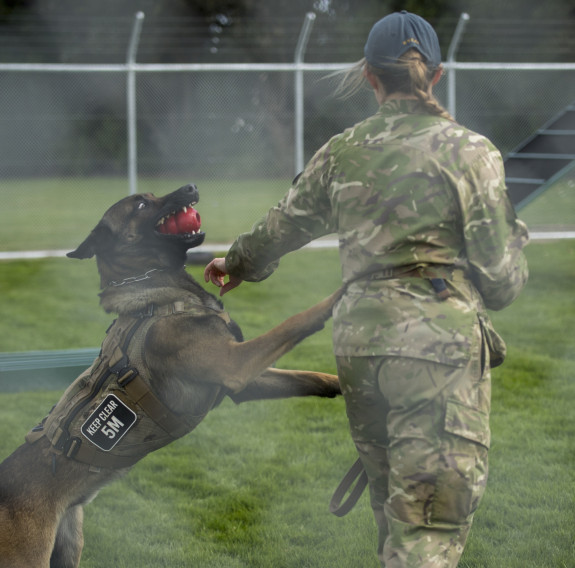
(89, 247)
(86, 249)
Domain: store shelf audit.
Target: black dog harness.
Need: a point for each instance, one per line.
(110, 417)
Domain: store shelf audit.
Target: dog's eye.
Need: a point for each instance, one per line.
(142, 205)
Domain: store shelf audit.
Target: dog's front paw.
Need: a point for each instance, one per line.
(332, 387)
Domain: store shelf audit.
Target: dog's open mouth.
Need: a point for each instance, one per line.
(186, 221)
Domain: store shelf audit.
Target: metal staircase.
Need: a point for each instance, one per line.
(542, 159)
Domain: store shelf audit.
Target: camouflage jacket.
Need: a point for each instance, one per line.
(403, 190)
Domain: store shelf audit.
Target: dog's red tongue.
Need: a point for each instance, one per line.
(182, 222)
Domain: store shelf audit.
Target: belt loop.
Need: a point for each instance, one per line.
(178, 307)
(72, 447)
(128, 375)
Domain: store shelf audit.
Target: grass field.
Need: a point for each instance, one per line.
(58, 214)
(250, 487)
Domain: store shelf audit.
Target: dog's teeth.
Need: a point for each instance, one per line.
(185, 209)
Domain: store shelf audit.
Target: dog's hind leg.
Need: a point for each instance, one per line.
(69, 539)
(283, 383)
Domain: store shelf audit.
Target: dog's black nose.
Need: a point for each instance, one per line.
(189, 191)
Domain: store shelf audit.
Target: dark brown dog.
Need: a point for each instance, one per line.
(171, 356)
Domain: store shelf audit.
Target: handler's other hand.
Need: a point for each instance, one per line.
(215, 272)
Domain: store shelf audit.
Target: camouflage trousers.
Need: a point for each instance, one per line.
(422, 433)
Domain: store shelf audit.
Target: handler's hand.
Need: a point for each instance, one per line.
(215, 272)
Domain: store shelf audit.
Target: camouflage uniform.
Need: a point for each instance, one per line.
(412, 197)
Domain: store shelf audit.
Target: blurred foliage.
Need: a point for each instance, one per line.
(250, 30)
(90, 140)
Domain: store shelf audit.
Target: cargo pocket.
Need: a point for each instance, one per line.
(467, 422)
(462, 474)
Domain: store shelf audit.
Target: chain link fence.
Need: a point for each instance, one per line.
(67, 126)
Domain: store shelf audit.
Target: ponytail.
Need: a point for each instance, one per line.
(410, 75)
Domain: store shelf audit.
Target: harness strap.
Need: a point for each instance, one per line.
(140, 393)
(115, 364)
(59, 434)
(182, 306)
(137, 393)
(90, 455)
(356, 472)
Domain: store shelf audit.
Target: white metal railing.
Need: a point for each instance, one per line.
(257, 67)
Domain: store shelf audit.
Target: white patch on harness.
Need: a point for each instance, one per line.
(108, 424)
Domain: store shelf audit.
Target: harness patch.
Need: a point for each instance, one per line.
(109, 423)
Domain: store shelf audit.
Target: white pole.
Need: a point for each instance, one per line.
(131, 103)
(455, 40)
(299, 92)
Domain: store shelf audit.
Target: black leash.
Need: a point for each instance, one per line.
(356, 472)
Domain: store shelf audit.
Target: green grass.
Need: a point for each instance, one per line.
(555, 207)
(250, 487)
(59, 214)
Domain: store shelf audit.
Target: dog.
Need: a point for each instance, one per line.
(171, 355)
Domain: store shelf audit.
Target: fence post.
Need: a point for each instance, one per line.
(131, 103)
(299, 92)
(455, 40)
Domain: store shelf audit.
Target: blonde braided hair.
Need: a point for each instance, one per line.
(410, 75)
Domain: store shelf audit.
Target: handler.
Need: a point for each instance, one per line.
(428, 240)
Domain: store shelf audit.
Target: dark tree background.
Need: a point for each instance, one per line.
(225, 31)
(97, 31)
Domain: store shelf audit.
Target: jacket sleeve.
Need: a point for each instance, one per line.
(494, 238)
(302, 215)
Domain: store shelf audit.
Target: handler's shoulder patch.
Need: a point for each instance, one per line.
(109, 423)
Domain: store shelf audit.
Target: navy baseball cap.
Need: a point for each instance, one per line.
(393, 35)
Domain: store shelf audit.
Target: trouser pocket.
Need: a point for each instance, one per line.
(463, 465)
